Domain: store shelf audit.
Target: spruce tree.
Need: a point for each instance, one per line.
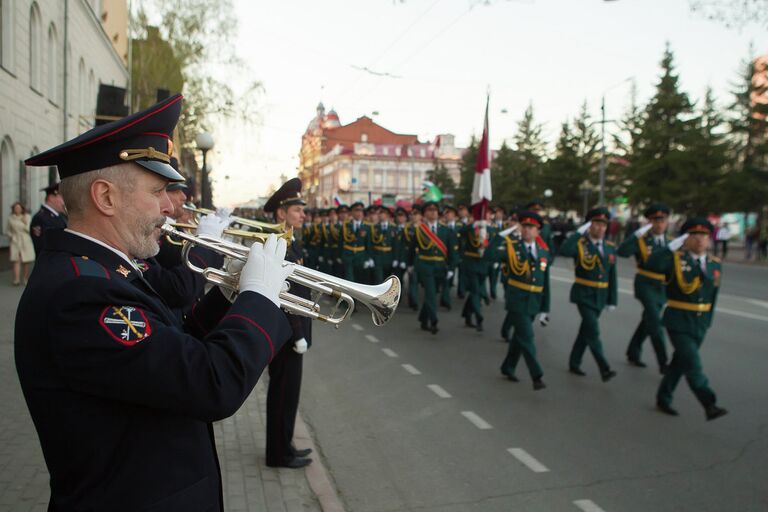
(520, 181)
(467, 177)
(661, 160)
(440, 177)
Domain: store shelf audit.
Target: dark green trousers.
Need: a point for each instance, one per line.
(430, 277)
(589, 336)
(473, 278)
(413, 289)
(445, 295)
(493, 279)
(685, 362)
(650, 325)
(522, 343)
(353, 268)
(382, 268)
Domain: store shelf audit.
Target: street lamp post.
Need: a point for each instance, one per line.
(204, 143)
(603, 120)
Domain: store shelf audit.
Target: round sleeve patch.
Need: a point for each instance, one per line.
(127, 325)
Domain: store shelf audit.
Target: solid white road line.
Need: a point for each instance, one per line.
(357, 327)
(411, 369)
(527, 459)
(719, 309)
(476, 420)
(371, 338)
(588, 506)
(439, 391)
(390, 353)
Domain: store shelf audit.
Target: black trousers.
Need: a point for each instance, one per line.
(282, 403)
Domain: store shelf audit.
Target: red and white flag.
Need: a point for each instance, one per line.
(481, 187)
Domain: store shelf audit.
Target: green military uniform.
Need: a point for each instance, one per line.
(650, 289)
(474, 268)
(400, 249)
(494, 270)
(545, 233)
(409, 237)
(433, 257)
(314, 244)
(595, 287)
(356, 243)
(331, 244)
(526, 294)
(692, 288)
(445, 296)
(383, 243)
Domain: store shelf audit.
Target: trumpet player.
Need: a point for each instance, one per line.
(122, 395)
(287, 206)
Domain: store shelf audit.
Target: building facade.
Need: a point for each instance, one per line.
(53, 56)
(363, 161)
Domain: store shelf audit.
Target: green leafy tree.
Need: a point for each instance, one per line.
(518, 177)
(467, 176)
(661, 160)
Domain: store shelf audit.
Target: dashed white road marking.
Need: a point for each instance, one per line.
(588, 506)
(476, 420)
(439, 391)
(357, 327)
(727, 311)
(527, 459)
(389, 352)
(371, 338)
(411, 369)
(758, 302)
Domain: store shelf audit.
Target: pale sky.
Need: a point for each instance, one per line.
(445, 53)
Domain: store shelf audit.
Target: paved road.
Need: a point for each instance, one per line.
(410, 421)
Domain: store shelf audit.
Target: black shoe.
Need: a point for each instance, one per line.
(666, 409)
(607, 375)
(303, 452)
(479, 327)
(538, 384)
(714, 412)
(414, 307)
(577, 371)
(487, 301)
(636, 362)
(469, 323)
(434, 329)
(510, 376)
(446, 306)
(663, 368)
(424, 326)
(460, 295)
(292, 463)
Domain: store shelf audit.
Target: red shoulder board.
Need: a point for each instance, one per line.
(541, 243)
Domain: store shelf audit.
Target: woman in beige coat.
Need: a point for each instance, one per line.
(21, 249)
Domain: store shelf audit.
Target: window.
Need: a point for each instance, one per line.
(390, 179)
(377, 178)
(53, 64)
(35, 44)
(6, 34)
(364, 137)
(402, 182)
(9, 178)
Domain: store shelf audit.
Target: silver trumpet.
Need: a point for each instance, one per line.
(381, 299)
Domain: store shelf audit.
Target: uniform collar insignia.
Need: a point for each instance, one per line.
(122, 270)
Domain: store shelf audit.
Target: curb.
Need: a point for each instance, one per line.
(316, 473)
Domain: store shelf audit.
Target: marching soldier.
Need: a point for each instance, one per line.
(410, 240)
(464, 220)
(356, 243)
(383, 242)
(514, 232)
(494, 227)
(52, 215)
(400, 247)
(343, 213)
(526, 295)
(285, 369)
(331, 242)
(122, 395)
(433, 253)
(650, 287)
(314, 240)
(474, 268)
(595, 287)
(545, 233)
(693, 282)
(449, 220)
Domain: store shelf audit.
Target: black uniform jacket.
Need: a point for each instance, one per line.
(121, 397)
(43, 221)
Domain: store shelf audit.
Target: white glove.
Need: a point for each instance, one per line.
(394, 264)
(402, 264)
(410, 269)
(583, 229)
(300, 346)
(449, 275)
(366, 264)
(212, 226)
(543, 319)
(495, 265)
(320, 259)
(677, 242)
(643, 230)
(371, 264)
(611, 307)
(508, 230)
(264, 272)
(338, 260)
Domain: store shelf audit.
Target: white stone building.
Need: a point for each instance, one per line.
(53, 56)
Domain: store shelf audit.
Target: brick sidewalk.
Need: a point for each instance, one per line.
(248, 484)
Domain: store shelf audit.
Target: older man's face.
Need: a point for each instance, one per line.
(141, 213)
(177, 197)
